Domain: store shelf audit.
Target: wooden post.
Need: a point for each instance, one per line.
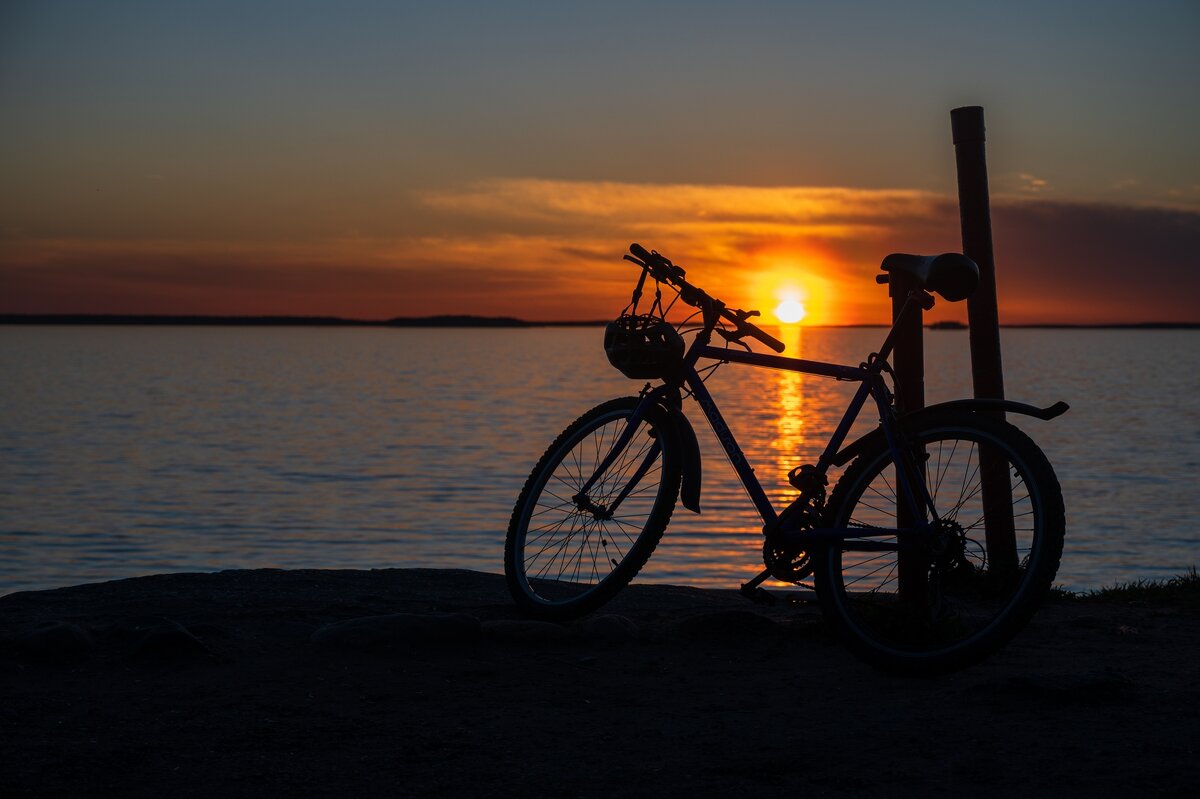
(908, 360)
(984, 320)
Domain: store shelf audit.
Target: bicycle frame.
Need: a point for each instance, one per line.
(909, 589)
(870, 377)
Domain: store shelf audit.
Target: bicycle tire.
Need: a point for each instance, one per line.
(591, 558)
(965, 608)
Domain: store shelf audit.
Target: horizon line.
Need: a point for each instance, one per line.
(459, 320)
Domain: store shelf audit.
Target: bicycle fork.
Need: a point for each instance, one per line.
(584, 502)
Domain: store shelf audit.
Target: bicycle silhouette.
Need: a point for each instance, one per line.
(937, 543)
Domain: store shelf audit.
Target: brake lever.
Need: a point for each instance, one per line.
(734, 338)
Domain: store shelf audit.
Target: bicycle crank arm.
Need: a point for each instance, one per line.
(754, 591)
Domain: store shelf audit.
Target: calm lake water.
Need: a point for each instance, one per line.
(136, 450)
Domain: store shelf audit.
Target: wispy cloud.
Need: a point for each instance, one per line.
(1031, 184)
(829, 211)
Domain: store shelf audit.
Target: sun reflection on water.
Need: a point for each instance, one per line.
(787, 446)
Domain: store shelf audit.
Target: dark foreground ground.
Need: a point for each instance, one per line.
(259, 683)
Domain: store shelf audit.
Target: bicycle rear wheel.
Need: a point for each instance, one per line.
(566, 553)
(961, 606)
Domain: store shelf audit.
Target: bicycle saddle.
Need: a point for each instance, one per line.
(952, 275)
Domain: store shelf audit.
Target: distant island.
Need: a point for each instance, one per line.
(479, 321)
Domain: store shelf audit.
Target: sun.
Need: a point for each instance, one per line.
(790, 312)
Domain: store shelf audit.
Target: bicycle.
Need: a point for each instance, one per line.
(920, 562)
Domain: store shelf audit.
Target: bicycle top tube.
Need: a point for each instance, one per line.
(837, 371)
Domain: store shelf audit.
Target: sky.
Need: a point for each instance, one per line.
(382, 159)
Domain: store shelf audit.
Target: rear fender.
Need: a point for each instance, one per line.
(876, 438)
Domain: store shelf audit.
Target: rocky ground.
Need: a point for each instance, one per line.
(426, 683)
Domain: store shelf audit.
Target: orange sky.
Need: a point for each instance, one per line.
(551, 250)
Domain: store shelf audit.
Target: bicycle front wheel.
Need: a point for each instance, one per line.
(568, 551)
(960, 602)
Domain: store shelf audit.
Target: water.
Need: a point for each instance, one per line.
(136, 450)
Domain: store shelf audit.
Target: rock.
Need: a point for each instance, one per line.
(727, 625)
(397, 631)
(810, 627)
(168, 640)
(611, 628)
(528, 632)
(55, 642)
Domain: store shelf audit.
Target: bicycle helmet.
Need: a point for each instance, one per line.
(643, 347)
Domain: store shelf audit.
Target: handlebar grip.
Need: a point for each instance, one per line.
(767, 339)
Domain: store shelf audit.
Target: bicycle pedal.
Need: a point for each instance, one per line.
(758, 595)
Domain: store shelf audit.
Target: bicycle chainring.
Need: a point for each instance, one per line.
(785, 565)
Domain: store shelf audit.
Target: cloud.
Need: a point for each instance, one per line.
(830, 210)
(1092, 262)
(1031, 184)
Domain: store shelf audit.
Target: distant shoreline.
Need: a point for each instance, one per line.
(280, 321)
(457, 320)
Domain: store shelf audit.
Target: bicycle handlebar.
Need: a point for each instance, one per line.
(663, 270)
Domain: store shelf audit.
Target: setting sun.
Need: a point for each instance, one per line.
(793, 286)
(790, 311)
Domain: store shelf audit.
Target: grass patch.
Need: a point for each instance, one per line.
(1058, 592)
(1183, 589)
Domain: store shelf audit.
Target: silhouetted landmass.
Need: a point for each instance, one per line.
(156, 319)
(456, 321)
(478, 321)
(1128, 326)
(461, 320)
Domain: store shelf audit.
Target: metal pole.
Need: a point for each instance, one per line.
(908, 360)
(984, 320)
